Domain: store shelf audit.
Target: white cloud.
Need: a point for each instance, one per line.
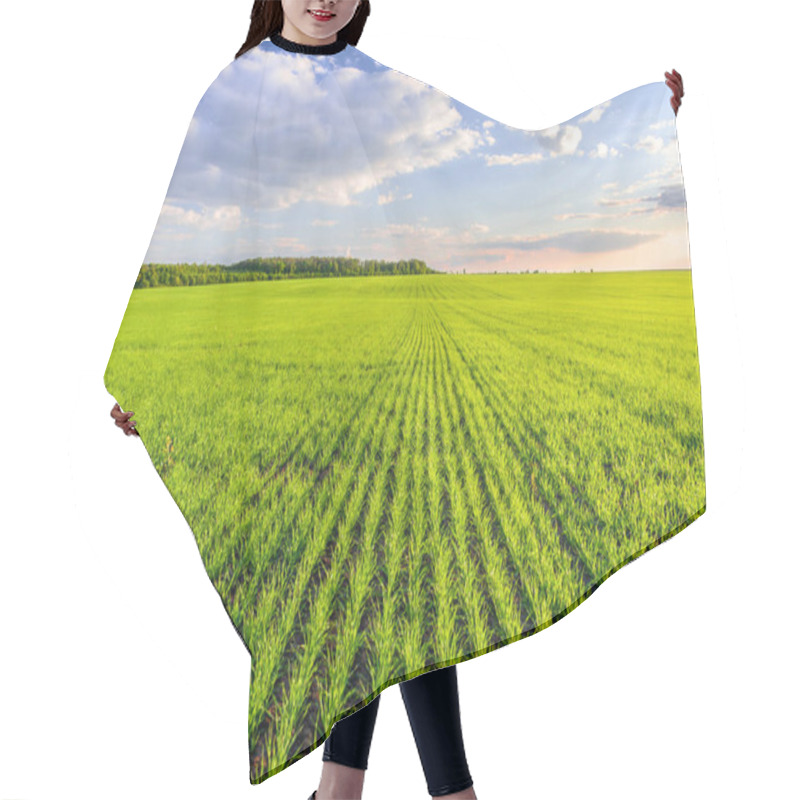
(512, 158)
(391, 197)
(560, 140)
(602, 150)
(596, 113)
(650, 144)
(221, 218)
(319, 136)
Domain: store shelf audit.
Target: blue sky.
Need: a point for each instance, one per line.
(296, 155)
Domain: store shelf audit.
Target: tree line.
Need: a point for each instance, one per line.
(270, 269)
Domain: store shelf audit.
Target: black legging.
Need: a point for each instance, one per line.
(431, 701)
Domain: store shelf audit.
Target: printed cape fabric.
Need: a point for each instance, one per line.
(418, 381)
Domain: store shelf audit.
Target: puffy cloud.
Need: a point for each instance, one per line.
(221, 218)
(596, 113)
(650, 144)
(602, 150)
(316, 136)
(560, 139)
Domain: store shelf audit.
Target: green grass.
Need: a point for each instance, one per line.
(389, 475)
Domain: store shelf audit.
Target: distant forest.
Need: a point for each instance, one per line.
(271, 269)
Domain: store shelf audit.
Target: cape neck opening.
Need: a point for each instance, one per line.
(311, 49)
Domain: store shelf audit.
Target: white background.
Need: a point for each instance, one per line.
(120, 673)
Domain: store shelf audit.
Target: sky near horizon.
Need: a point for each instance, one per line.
(291, 154)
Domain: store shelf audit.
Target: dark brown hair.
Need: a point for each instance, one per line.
(266, 18)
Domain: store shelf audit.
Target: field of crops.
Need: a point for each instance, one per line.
(387, 474)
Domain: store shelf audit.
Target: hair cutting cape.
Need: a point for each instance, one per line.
(418, 381)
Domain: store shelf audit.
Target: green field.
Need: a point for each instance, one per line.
(390, 474)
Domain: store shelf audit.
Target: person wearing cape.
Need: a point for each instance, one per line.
(418, 381)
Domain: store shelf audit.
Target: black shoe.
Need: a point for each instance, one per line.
(313, 795)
